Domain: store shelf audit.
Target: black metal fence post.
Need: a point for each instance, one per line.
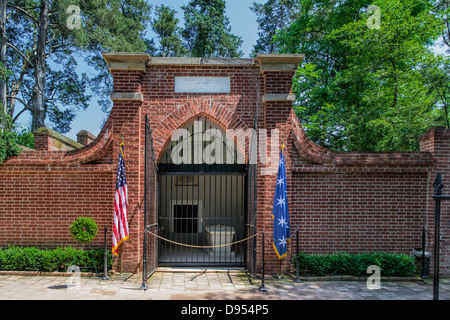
(105, 260)
(262, 288)
(424, 264)
(297, 279)
(438, 186)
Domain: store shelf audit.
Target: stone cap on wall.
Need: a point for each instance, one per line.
(126, 60)
(48, 139)
(269, 62)
(138, 61)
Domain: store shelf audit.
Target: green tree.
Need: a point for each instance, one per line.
(3, 45)
(365, 88)
(43, 42)
(8, 143)
(272, 16)
(8, 137)
(443, 10)
(165, 25)
(207, 30)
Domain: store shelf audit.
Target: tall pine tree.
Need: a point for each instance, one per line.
(165, 25)
(207, 30)
(272, 16)
(42, 45)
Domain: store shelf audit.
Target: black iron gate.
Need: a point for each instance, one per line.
(203, 207)
(199, 213)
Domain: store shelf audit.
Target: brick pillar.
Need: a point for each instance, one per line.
(85, 137)
(127, 70)
(277, 71)
(437, 142)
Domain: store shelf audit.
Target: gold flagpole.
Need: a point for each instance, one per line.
(121, 258)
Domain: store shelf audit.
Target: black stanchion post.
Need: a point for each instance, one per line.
(438, 186)
(436, 249)
(263, 287)
(105, 260)
(424, 234)
(297, 279)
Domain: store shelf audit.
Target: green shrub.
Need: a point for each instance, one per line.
(391, 264)
(33, 259)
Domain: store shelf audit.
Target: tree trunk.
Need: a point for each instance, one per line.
(38, 107)
(3, 100)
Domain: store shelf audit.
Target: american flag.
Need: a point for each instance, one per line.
(120, 227)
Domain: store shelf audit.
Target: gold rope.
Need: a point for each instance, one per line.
(200, 247)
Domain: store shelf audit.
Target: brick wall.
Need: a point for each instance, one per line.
(359, 211)
(41, 202)
(352, 202)
(45, 191)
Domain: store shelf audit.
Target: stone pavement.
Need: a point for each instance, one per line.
(208, 286)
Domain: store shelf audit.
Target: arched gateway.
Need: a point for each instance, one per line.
(211, 191)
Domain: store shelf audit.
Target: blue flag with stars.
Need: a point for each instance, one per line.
(280, 215)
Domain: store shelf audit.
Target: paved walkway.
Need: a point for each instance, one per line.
(208, 286)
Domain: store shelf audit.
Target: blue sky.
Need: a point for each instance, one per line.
(243, 24)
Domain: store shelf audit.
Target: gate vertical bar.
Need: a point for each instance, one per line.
(252, 201)
(255, 183)
(149, 263)
(144, 249)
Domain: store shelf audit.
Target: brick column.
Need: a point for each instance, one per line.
(127, 70)
(85, 137)
(277, 71)
(437, 142)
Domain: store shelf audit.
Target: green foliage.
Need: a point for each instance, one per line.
(33, 259)
(272, 16)
(8, 138)
(165, 25)
(106, 25)
(84, 229)
(391, 264)
(25, 138)
(364, 89)
(207, 30)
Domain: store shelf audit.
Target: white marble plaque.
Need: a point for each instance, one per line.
(202, 84)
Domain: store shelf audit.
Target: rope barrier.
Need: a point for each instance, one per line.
(200, 247)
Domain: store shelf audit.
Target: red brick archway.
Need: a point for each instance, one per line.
(189, 112)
